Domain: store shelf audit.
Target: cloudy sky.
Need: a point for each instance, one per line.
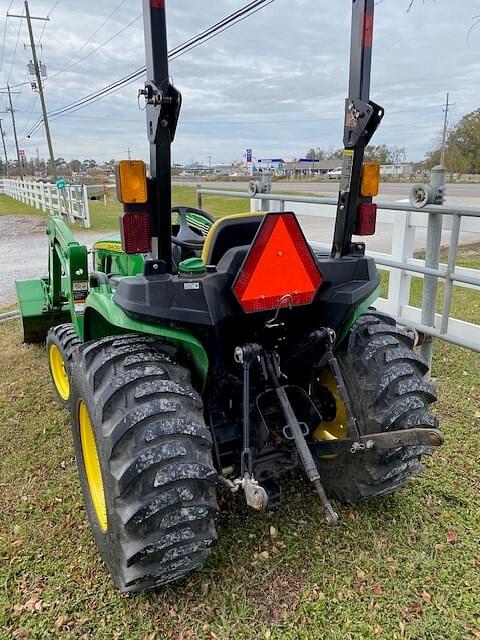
(275, 82)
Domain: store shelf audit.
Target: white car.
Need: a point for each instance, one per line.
(334, 174)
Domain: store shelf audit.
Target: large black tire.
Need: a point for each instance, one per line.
(154, 456)
(64, 339)
(385, 381)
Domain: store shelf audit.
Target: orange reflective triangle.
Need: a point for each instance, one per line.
(279, 269)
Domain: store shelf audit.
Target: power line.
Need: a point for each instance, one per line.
(219, 27)
(15, 50)
(5, 35)
(93, 35)
(55, 4)
(100, 46)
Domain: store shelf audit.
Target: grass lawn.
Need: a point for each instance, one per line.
(465, 301)
(405, 566)
(105, 218)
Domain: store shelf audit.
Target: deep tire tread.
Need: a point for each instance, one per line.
(156, 452)
(67, 340)
(385, 379)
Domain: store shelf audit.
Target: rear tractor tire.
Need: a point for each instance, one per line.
(61, 342)
(384, 377)
(144, 458)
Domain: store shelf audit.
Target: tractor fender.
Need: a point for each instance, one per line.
(104, 317)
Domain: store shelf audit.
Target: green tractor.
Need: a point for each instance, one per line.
(196, 352)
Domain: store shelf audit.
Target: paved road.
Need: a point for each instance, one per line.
(467, 195)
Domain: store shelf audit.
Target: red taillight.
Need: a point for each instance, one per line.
(279, 269)
(366, 220)
(135, 231)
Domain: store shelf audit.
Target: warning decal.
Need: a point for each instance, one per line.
(346, 178)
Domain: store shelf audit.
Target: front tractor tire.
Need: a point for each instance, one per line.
(144, 458)
(61, 342)
(385, 381)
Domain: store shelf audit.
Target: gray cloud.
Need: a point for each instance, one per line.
(275, 82)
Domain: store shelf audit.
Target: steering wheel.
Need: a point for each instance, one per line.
(187, 237)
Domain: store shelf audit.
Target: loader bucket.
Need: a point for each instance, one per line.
(34, 313)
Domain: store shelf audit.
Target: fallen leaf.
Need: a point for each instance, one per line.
(35, 605)
(452, 537)
(377, 590)
(273, 533)
(60, 621)
(264, 555)
(474, 632)
(360, 573)
(426, 597)
(378, 630)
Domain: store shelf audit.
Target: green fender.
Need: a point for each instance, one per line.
(360, 310)
(104, 317)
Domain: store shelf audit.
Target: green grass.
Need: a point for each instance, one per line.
(406, 566)
(105, 218)
(389, 571)
(465, 301)
(11, 207)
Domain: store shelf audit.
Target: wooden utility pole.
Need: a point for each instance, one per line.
(445, 126)
(4, 148)
(12, 112)
(38, 75)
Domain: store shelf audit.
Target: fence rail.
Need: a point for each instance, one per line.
(71, 202)
(401, 262)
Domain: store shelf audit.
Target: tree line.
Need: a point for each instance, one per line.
(379, 154)
(462, 149)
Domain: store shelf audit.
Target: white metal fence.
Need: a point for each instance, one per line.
(401, 263)
(71, 202)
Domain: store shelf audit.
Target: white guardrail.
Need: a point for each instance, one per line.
(71, 201)
(401, 264)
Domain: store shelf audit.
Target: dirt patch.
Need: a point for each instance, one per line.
(17, 226)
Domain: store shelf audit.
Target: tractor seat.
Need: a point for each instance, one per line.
(228, 232)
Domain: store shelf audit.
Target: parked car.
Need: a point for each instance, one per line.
(334, 174)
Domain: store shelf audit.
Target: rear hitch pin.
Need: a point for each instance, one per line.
(255, 495)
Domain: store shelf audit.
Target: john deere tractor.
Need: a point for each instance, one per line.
(195, 352)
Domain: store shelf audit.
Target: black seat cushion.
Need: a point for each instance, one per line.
(233, 232)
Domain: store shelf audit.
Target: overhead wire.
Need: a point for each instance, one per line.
(100, 46)
(229, 21)
(90, 38)
(55, 4)
(15, 50)
(5, 35)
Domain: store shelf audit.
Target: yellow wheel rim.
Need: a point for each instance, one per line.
(92, 467)
(335, 429)
(59, 373)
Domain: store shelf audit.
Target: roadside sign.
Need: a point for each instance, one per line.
(60, 183)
